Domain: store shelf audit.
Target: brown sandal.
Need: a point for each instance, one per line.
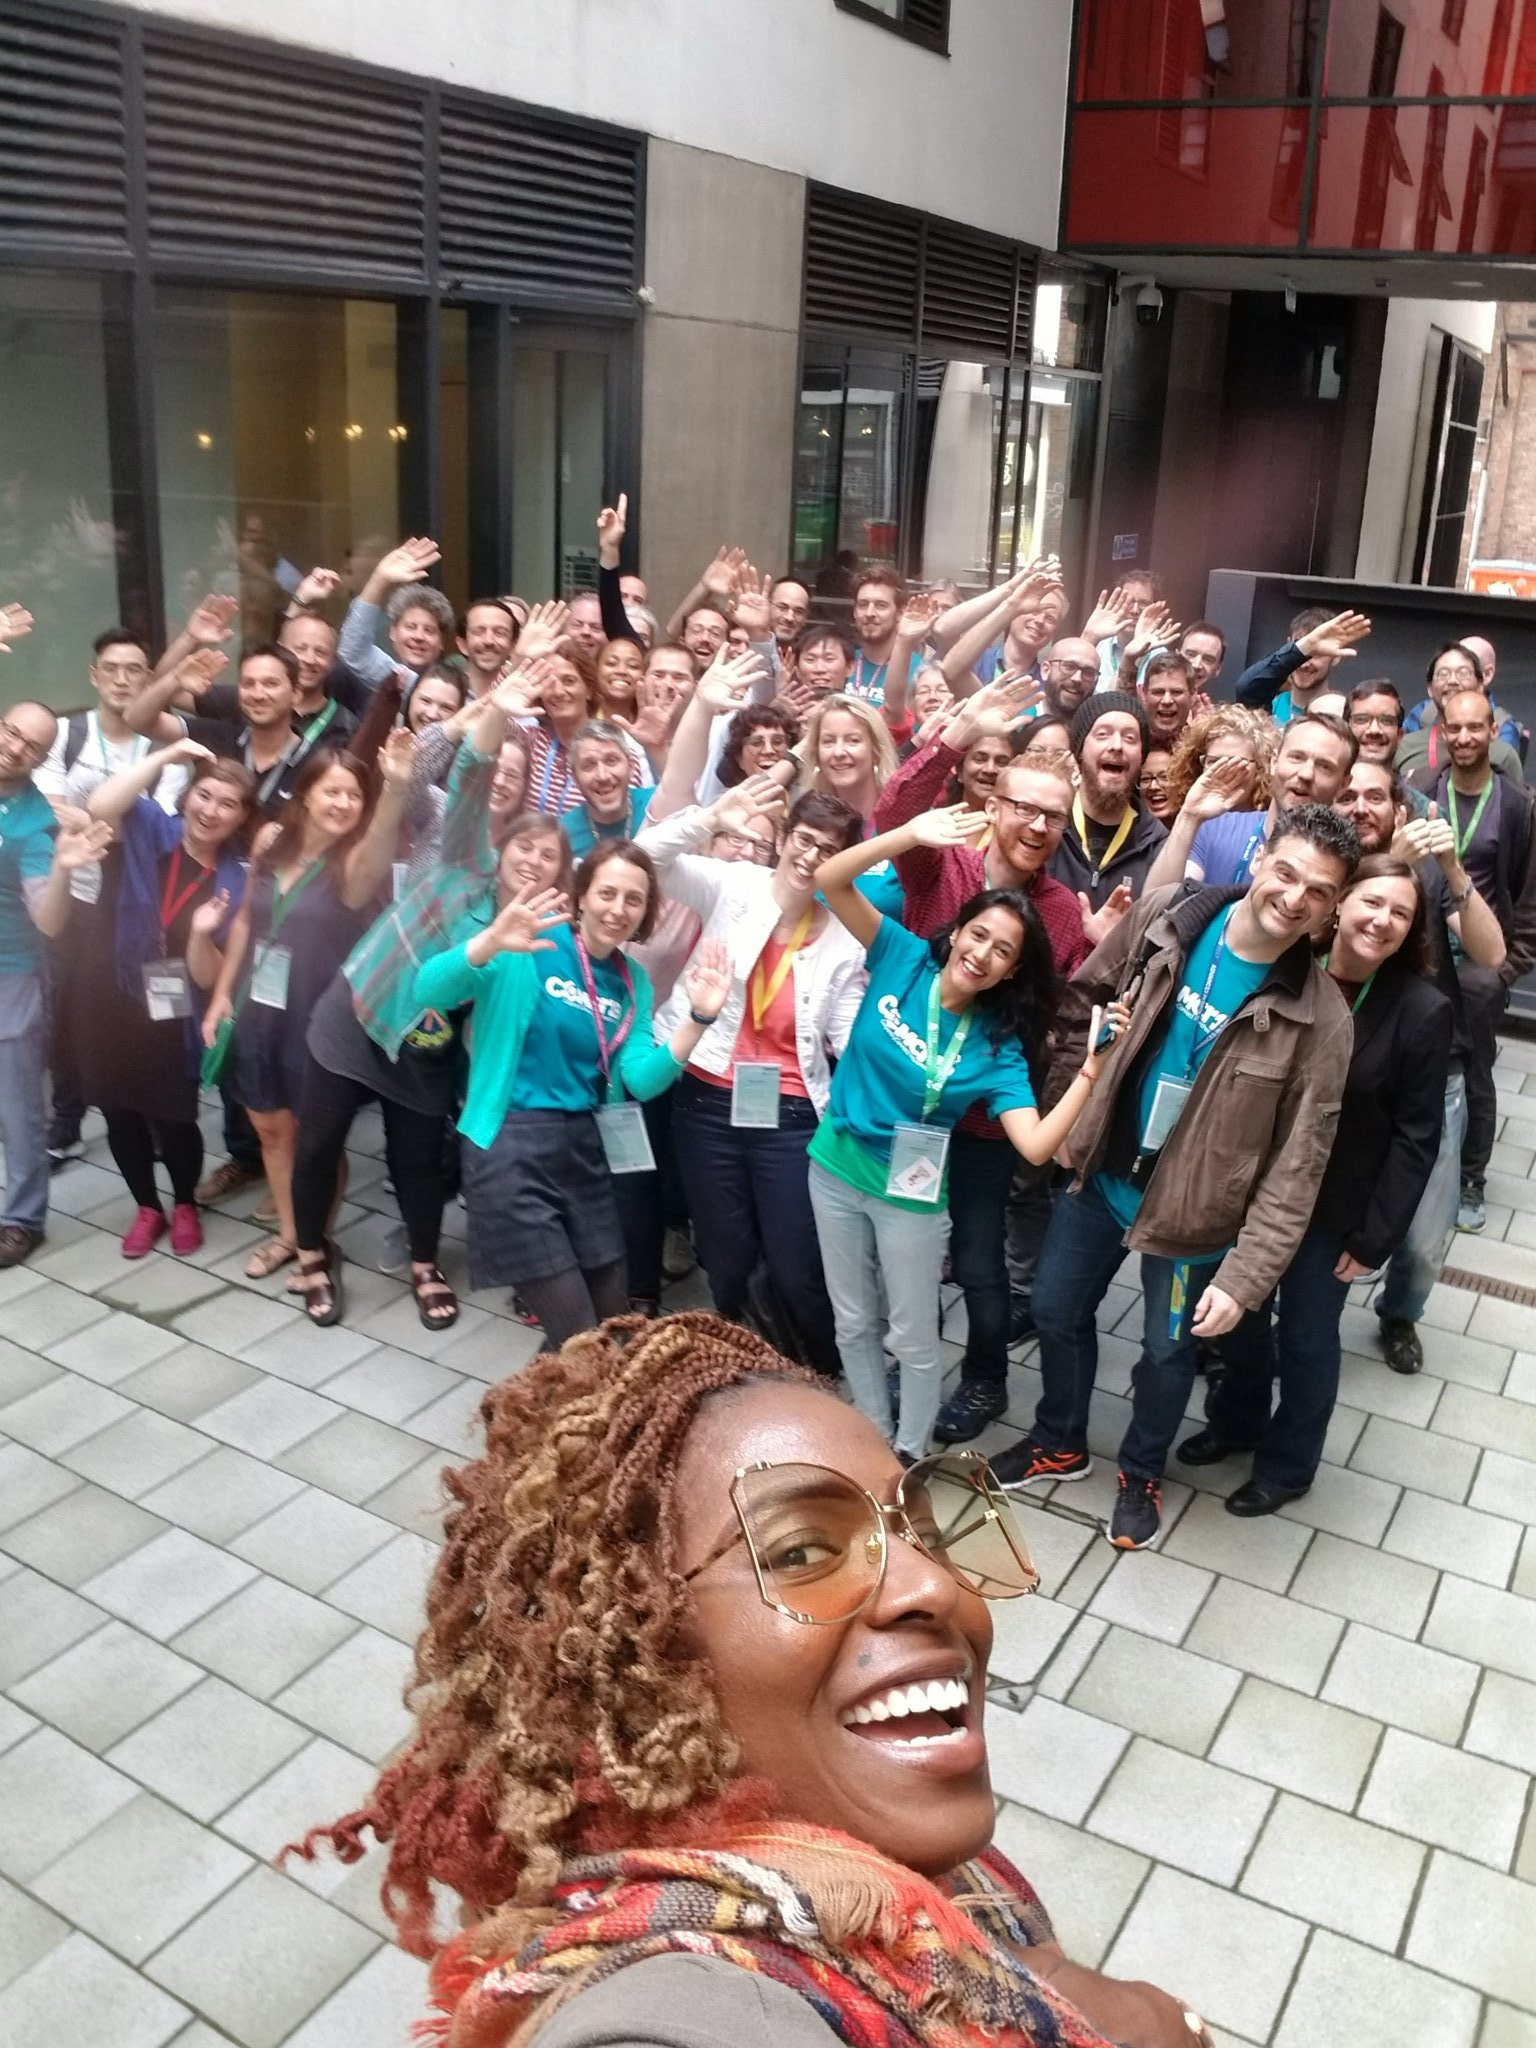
(269, 1258)
(436, 1303)
(321, 1287)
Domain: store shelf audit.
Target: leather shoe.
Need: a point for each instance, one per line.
(1205, 1449)
(1258, 1497)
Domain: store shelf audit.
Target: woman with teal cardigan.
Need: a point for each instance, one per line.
(560, 1057)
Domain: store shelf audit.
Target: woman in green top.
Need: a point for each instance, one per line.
(945, 1023)
(562, 1030)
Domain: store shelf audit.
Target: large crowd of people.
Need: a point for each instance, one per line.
(841, 947)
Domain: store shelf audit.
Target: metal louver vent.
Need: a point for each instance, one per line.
(1024, 316)
(527, 208)
(861, 267)
(63, 169)
(272, 160)
(969, 292)
(928, 22)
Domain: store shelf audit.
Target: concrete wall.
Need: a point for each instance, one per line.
(792, 84)
(1392, 494)
(719, 364)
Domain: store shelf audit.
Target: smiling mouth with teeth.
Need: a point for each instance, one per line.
(933, 1712)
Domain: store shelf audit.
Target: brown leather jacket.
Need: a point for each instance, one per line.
(1245, 1160)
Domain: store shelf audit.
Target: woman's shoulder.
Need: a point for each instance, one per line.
(679, 2001)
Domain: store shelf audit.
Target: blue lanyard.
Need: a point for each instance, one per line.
(1205, 1039)
(1255, 845)
(549, 770)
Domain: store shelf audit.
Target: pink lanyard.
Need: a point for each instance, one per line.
(606, 1046)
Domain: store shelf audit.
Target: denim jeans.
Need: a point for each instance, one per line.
(980, 1177)
(1415, 1265)
(1084, 1249)
(1484, 999)
(1295, 1335)
(23, 1123)
(750, 1197)
(866, 1241)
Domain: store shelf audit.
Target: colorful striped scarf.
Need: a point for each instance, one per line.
(886, 1958)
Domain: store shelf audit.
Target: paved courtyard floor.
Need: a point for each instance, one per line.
(1283, 1767)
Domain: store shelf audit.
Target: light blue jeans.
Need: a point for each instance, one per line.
(1415, 1265)
(867, 1243)
(23, 1125)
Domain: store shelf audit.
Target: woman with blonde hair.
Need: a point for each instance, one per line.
(848, 752)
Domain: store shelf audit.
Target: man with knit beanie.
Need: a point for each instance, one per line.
(1112, 838)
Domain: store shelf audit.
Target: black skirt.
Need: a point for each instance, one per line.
(540, 1201)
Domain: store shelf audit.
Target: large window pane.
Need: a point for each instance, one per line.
(957, 427)
(583, 417)
(1191, 177)
(534, 496)
(58, 543)
(818, 461)
(1058, 469)
(848, 464)
(559, 462)
(279, 437)
(1379, 51)
(1413, 177)
(1192, 49)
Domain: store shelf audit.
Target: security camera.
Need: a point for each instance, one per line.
(1149, 306)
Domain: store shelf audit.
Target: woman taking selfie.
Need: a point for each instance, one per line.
(703, 1757)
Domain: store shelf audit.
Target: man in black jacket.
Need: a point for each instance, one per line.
(1491, 820)
(1112, 839)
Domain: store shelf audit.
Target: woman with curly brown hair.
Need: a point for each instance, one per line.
(1229, 733)
(702, 1755)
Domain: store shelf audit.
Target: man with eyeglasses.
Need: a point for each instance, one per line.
(27, 828)
(1456, 666)
(1493, 822)
(1373, 712)
(1069, 669)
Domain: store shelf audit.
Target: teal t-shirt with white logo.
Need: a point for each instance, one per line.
(560, 1068)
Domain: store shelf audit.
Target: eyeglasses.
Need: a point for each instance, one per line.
(760, 850)
(1024, 810)
(1455, 675)
(124, 672)
(819, 1544)
(806, 842)
(1084, 671)
(34, 749)
(1152, 779)
(1363, 721)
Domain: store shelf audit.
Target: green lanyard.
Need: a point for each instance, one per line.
(1365, 986)
(1464, 839)
(316, 726)
(937, 1072)
(283, 900)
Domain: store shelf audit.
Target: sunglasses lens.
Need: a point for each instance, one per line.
(962, 1519)
(816, 1539)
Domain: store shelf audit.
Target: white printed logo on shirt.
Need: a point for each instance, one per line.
(570, 992)
(901, 1032)
(1206, 1018)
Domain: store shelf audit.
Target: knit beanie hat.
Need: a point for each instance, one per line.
(1098, 706)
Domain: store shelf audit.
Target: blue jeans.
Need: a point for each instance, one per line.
(980, 1178)
(1415, 1265)
(750, 1198)
(865, 1241)
(1294, 1334)
(23, 1123)
(1084, 1249)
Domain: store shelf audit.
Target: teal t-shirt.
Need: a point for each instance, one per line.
(584, 835)
(1215, 986)
(560, 1068)
(881, 886)
(27, 827)
(879, 1079)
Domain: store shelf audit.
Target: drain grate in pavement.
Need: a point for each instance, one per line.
(1484, 1283)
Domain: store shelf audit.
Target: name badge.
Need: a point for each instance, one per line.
(755, 1095)
(402, 868)
(1168, 1102)
(625, 1141)
(269, 977)
(167, 992)
(919, 1154)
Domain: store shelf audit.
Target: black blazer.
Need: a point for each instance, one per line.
(1394, 1107)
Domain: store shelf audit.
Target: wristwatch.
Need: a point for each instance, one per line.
(1460, 899)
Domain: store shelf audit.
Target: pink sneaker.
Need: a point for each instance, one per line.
(146, 1229)
(186, 1229)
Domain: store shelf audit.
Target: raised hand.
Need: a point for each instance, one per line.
(1220, 788)
(523, 920)
(721, 576)
(409, 562)
(954, 825)
(707, 981)
(917, 617)
(755, 796)
(991, 711)
(544, 630)
(212, 623)
(185, 751)
(1335, 637)
(15, 623)
(199, 670)
(753, 603)
(317, 586)
(209, 916)
(1041, 580)
(1098, 924)
(612, 525)
(1154, 628)
(81, 845)
(651, 725)
(1110, 616)
(396, 759)
(724, 684)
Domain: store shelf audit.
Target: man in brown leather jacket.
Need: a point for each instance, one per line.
(1202, 1147)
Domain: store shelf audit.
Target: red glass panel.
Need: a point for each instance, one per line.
(1446, 179)
(1181, 50)
(1192, 177)
(1467, 42)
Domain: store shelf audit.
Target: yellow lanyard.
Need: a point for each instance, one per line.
(765, 989)
(1122, 832)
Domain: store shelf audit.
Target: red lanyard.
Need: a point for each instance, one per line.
(606, 1046)
(172, 905)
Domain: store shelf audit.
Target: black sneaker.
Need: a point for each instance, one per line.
(64, 1143)
(969, 1409)
(1204, 1448)
(1138, 1513)
(1031, 1464)
(1400, 1345)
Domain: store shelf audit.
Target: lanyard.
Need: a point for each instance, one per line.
(283, 900)
(140, 745)
(606, 1046)
(868, 680)
(1464, 839)
(553, 749)
(1365, 986)
(938, 1073)
(1205, 1039)
(1434, 744)
(316, 726)
(1122, 833)
(172, 904)
(765, 991)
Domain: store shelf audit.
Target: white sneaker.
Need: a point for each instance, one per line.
(395, 1252)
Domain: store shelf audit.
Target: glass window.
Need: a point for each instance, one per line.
(1241, 189)
(279, 440)
(1070, 312)
(1385, 50)
(1197, 49)
(1419, 177)
(559, 443)
(849, 453)
(1056, 482)
(535, 498)
(59, 546)
(959, 418)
